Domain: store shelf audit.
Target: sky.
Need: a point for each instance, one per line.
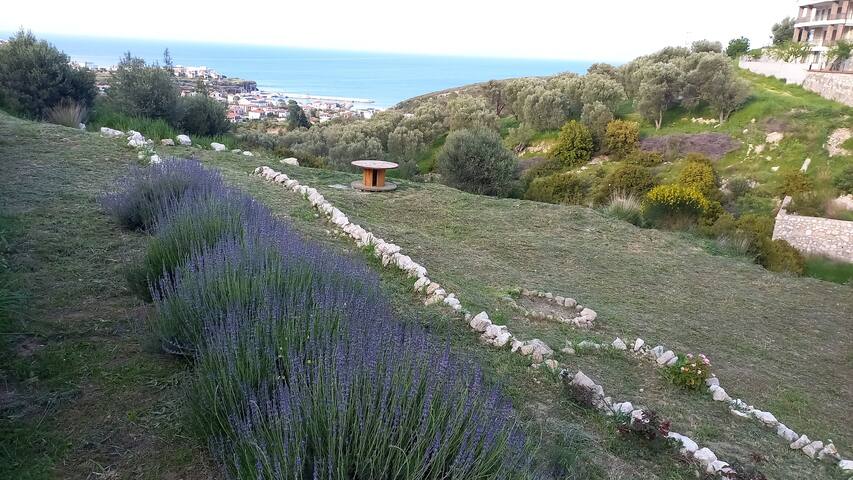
(610, 30)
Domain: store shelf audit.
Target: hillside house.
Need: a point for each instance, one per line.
(822, 24)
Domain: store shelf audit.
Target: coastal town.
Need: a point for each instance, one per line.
(246, 102)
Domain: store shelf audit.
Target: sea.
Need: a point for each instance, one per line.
(384, 79)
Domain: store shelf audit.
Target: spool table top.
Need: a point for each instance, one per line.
(374, 164)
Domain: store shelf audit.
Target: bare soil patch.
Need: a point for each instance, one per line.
(713, 145)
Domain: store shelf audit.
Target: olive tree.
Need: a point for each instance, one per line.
(783, 31)
(542, 108)
(660, 86)
(468, 111)
(596, 116)
(476, 161)
(737, 47)
(599, 88)
(703, 46)
(139, 89)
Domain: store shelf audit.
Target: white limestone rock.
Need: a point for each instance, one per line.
(705, 457)
(589, 314)
(813, 448)
(774, 138)
(688, 446)
(552, 365)
(421, 283)
(109, 132)
(638, 344)
(846, 465)
(657, 351)
(480, 322)
(618, 344)
(167, 142)
(666, 357)
(502, 339)
(624, 407)
(800, 442)
(783, 431)
(154, 160)
(766, 418)
(711, 381)
(184, 140)
(828, 453)
(248, 154)
(717, 466)
(290, 161)
(719, 394)
(570, 302)
(217, 147)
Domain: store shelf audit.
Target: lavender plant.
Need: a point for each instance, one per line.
(139, 196)
(187, 224)
(374, 399)
(302, 369)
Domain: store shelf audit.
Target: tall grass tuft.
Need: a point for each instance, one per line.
(140, 195)
(105, 115)
(68, 113)
(625, 207)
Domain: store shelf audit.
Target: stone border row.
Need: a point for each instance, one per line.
(814, 449)
(540, 353)
(689, 448)
(497, 336)
(146, 148)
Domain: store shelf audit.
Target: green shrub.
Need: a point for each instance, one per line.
(738, 187)
(36, 77)
(202, 115)
(674, 203)
(574, 145)
(597, 116)
(780, 256)
(141, 90)
(757, 230)
(700, 176)
(689, 372)
(477, 162)
(844, 180)
(628, 179)
(564, 188)
(622, 137)
(794, 183)
(643, 158)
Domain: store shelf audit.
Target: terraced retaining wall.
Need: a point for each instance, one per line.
(815, 235)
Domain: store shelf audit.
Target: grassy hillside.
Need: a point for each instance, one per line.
(105, 403)
(661, 286)
(81, 393)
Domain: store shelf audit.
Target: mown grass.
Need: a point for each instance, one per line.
(658, 285)
(81, 394)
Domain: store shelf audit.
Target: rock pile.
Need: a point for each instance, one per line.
(584, 317)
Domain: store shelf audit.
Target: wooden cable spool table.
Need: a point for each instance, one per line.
(373, 179)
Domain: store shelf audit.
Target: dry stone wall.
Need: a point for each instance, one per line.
(834, 86)
(815, 235)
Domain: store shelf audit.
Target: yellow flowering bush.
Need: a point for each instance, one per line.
(689, 372)
(674, 200)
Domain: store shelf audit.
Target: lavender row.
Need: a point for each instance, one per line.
(301, 368)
